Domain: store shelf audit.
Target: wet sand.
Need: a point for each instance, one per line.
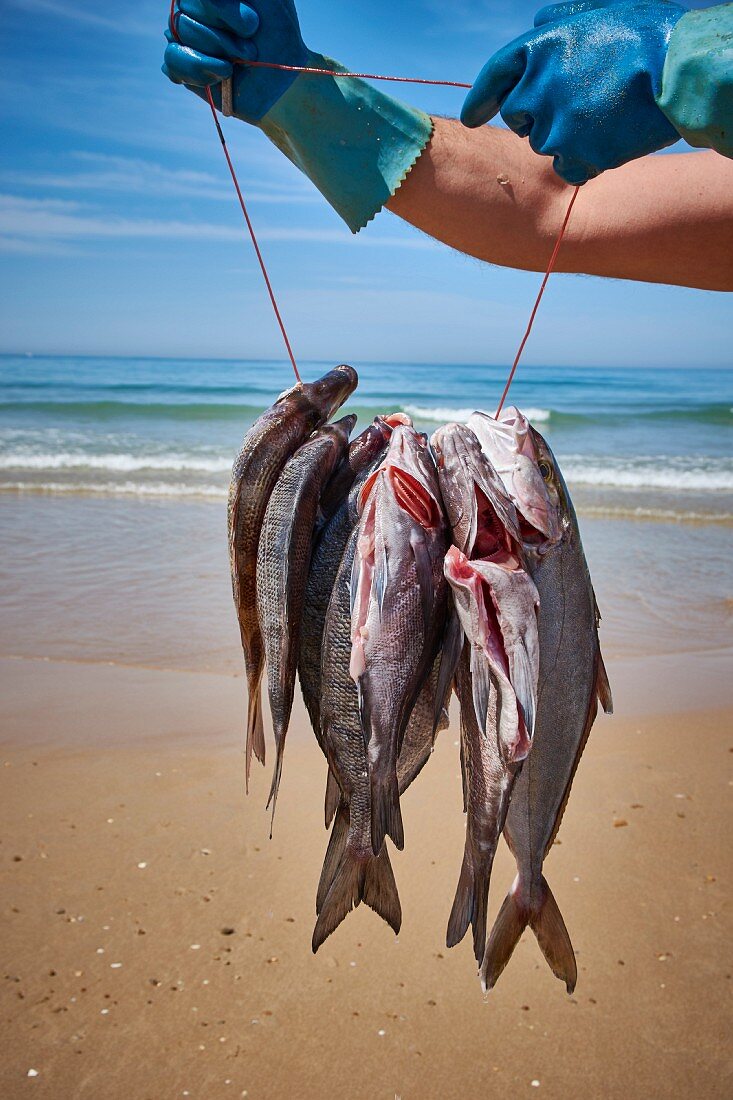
(156, 944)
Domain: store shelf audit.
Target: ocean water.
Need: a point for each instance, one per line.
(632, 442)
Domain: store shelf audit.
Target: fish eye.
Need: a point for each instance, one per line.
(545, 470)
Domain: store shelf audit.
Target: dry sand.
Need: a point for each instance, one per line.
(156, 944)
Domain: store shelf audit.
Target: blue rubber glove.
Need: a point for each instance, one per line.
(211, 34)
(354, 142)
(582, 85)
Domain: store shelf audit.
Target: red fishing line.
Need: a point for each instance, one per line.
(174, 15)
(548, 272)
(355, 76)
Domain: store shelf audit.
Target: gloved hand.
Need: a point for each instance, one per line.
(209, 35)
(354, 142)
(582, 85)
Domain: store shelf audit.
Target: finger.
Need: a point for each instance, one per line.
(185, 66)
(213, 43)
(497, 78)
(552, 12)
(575, 172)
(230, 15)
(170, 74)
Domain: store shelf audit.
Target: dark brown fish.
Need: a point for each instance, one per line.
(268, 445)
(571, 684)
(365, 450)
(282, 567)
(398, 611)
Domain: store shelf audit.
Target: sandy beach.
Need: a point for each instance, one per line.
(157, 944)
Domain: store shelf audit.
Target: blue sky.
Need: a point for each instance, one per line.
(120, 234)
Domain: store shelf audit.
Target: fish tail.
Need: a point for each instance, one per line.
(470, 906)
(276, 777)
(386, 813)
(255, 724)
(546, 922)
(380, 890)
(511, 921)
(359, 879)
(334, 853)
(544, 918)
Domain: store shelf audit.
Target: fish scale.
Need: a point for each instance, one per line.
(282, 567)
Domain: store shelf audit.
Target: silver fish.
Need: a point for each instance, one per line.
(496, 604)
(572, 682)
(282, 567)
(267, 446)
(398, 600)
(352, 873)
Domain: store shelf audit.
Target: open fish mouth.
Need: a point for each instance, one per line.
(480, 601)
(508, 443)
(402, 470)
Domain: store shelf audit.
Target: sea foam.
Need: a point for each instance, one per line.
(445, 414)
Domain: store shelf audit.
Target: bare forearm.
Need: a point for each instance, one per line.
(666, 219)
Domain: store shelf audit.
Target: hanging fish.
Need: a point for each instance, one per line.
(398, 599)
(267, 446)
(283, 561)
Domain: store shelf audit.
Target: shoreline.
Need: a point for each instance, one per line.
(640, 512)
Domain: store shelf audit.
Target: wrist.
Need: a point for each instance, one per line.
(696, 92)
(355, 143)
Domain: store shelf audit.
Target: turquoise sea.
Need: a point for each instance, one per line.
(114, 474)
(631, 441)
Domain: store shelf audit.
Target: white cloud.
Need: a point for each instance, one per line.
(119, 24)
(143, 177)
(53, 220)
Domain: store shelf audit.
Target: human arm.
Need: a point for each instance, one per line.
(662, 219)
(664, 224)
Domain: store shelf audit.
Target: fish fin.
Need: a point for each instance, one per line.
(255, 724)
(511, 921)
(603, 688)
(546, 922)
(470, 907)
(332, 799)
(365, 714)
(449, 657)
(481, 687)
(524, 683)
(380, 890)
(356, 880)
(464, 777)
(334, 853)
(424, 569)
(386, 813)
(380, 578)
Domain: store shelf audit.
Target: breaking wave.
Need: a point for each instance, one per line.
(655, 472)
(444, 414)
(117, 463)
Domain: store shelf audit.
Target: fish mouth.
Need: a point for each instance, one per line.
(509, 445)
(402, 470)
